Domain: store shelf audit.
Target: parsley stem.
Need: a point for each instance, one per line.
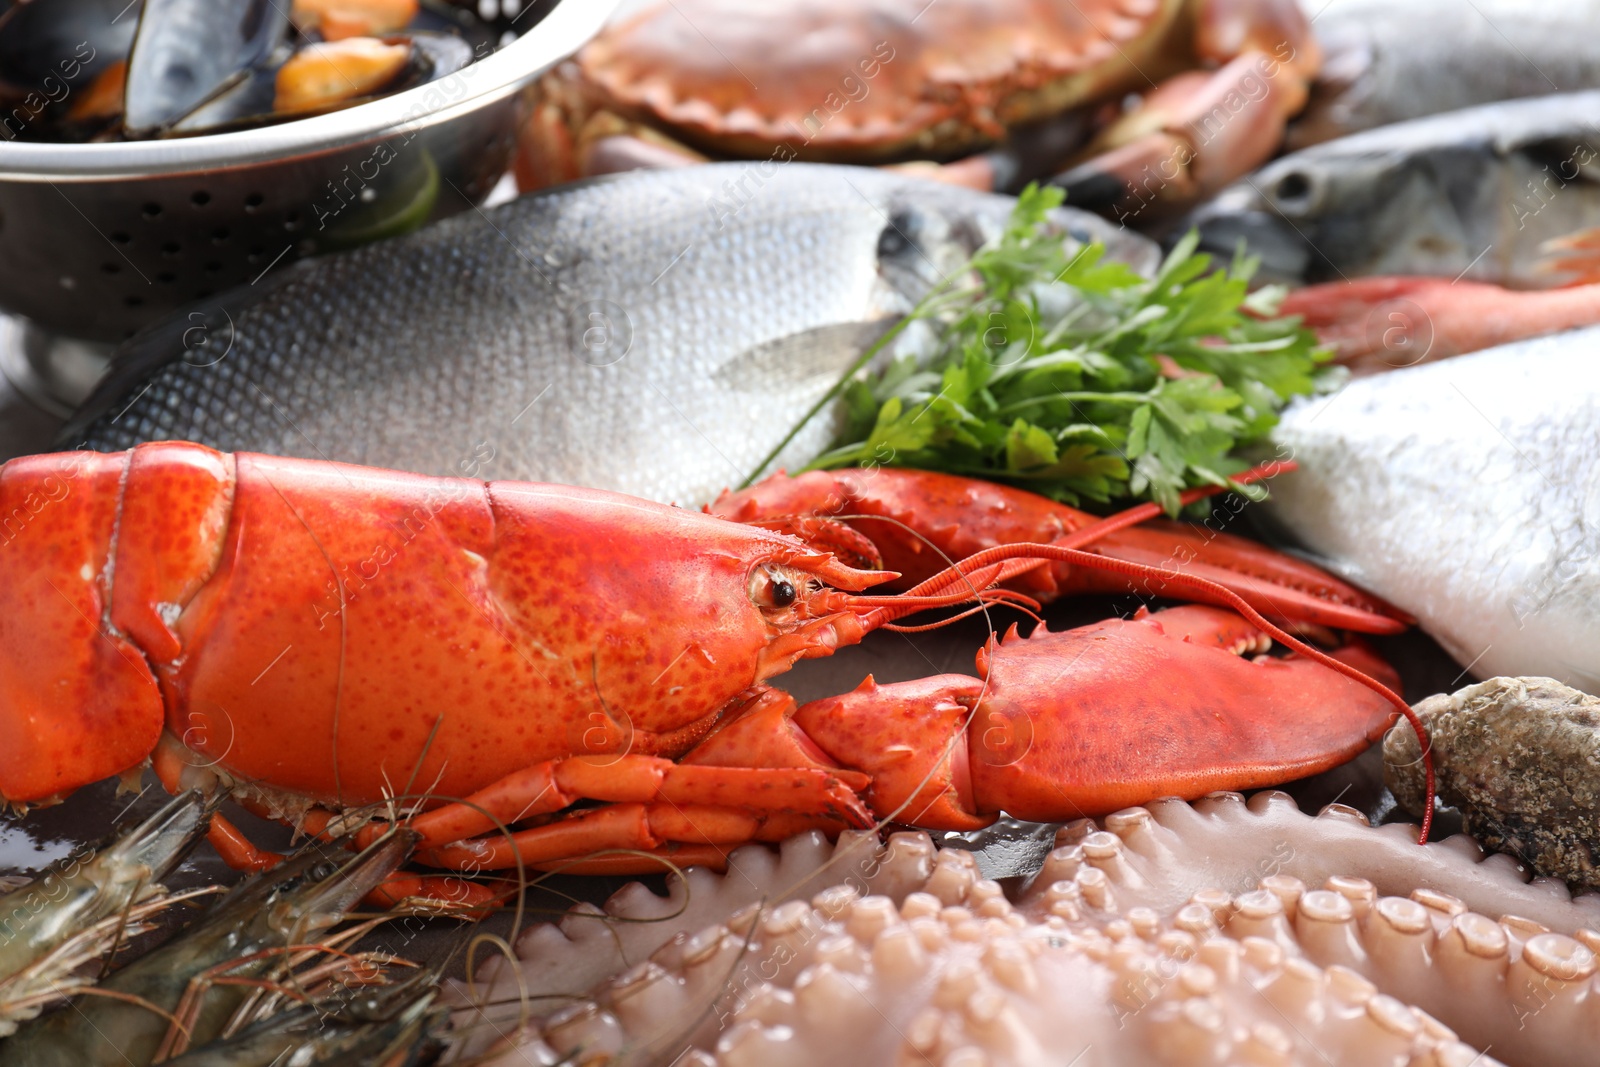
(1090, 397)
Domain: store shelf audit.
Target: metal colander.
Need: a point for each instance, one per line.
(96, 240)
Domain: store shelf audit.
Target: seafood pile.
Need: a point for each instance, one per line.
(96, 70)
(385, 548)
(898, 80)
(1219, 933)
(409, 668)
(996, 95)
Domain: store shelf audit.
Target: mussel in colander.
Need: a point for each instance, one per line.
(328, 75)
(82, 70)
(188, 51)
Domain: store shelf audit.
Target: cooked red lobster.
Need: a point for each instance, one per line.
(319, 638)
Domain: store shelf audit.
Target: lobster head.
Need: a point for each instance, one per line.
(807, 601)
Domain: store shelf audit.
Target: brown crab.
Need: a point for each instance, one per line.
(972, 90)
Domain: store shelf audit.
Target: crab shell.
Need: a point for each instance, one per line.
(867, 82)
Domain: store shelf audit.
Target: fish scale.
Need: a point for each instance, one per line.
(467, 348)
(1467, 493)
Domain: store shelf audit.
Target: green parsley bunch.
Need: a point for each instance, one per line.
(1078, 378)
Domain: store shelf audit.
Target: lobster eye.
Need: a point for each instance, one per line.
(770, 589)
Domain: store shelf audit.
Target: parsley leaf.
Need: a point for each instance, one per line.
(1078, 378)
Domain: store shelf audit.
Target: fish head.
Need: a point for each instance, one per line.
(926, 236)
(930, 229)
(1327, 213)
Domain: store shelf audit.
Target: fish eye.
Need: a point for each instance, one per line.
(770, 588)
(899, 236)
(1293, 189)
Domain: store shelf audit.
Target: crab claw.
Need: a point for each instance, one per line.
(1092, 720)
(1200, 130)
(920, 520)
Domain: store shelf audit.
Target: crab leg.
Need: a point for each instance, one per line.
(919, 520)
(1196, 132)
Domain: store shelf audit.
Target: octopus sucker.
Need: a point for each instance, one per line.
(1223, 932)
(561, 960)
(1175, 849)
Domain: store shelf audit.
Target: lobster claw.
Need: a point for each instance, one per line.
(922, 520)
(1092, 720)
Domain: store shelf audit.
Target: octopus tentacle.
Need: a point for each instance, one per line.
(1223, 841)
(1220, 932)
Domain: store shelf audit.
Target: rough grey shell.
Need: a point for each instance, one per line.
(1520, 758)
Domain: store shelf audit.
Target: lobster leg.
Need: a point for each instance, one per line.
(650, 802)
(1059, 726)
(919, 520)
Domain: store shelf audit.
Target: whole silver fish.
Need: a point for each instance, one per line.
(1386, 61)
(655, 333)
(1466, 492)
(1476, 193)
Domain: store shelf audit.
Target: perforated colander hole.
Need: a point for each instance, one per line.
(133, 301)
(213, 267)
(291, 221)
(171, 248)
(199, 198)
(166, 277)
(151, 210)
(255, 254)
(219, 235)
(121, 238)
(253, 202)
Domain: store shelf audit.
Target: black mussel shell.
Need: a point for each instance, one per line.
(189, 51)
